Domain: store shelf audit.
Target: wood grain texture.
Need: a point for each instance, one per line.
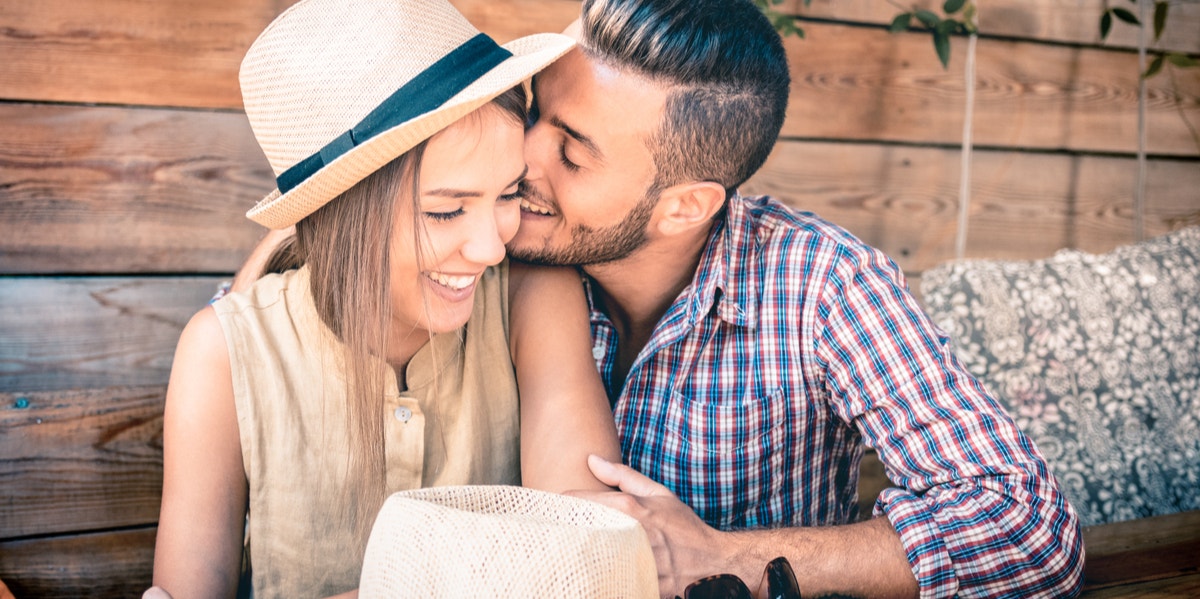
(83, 332)
(1143, 549)
(1030, 95)
(505, 20)
(904, 200)
(1176, 587)
(151, 52)
(117, 190)
(122, 194)
(110, 565)
(1027, 95)
(1067, 21)
(88, 459)
(178, 53)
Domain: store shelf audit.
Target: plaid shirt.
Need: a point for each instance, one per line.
(793, 346)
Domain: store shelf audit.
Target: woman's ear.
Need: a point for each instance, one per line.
(686, 206)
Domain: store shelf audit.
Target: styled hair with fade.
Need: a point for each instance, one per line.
(727, 78)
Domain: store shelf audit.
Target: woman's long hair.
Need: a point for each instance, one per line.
(346, 247)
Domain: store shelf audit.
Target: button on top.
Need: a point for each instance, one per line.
(597, 352)
(403, 414)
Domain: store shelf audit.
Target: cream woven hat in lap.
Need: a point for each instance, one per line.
(336, 89)
(501, 541)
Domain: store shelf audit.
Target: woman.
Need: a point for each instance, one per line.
(383, 363)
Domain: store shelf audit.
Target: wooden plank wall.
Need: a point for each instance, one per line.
(126, 165)
(873, 138)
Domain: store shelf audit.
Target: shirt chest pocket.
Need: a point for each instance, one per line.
(726, 425)
(729, 452)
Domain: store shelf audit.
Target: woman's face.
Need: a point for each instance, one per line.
(469, 209)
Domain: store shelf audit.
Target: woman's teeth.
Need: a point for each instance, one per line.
(455, 283)
(534, 208)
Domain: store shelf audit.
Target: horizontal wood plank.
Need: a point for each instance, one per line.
(180, 53)
(904, 200)
(1067, 21)
(1027, 95)
(1175, 587)
(1030, 95)
(93, 332)
(1143, 549)
(110, 565)
(116, 203)
(101, 190)
(88, 459)
(159, 52)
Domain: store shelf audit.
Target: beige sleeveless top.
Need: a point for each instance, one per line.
(290, 398)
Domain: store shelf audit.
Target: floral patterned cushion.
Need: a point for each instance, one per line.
(1097, 358)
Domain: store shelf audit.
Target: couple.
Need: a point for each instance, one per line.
(747, 351)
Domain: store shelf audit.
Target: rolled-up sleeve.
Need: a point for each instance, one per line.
(977, 510)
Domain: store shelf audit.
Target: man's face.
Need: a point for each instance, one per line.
(589, 164)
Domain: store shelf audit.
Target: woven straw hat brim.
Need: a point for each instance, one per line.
(504, 541)
(530, 55)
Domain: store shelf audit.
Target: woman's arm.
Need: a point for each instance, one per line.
(564, 410)
(198, 552)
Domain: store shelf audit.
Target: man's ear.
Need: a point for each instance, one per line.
(685, 206)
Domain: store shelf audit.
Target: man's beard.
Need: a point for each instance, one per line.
(589, 245)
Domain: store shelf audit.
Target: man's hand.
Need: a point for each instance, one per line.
(685, 548)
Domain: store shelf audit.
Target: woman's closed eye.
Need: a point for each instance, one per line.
(444, 216)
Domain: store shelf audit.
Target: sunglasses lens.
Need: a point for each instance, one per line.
(723, 586)
(781, 580)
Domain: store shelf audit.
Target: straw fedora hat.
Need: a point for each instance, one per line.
(336, 89)
(503, 541)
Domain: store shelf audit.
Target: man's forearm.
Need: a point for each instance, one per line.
(865, 559)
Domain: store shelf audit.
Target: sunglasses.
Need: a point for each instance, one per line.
(781, 584)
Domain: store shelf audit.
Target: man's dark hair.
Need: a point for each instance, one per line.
(726, 73)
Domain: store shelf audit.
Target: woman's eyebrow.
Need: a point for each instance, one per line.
(450, 192)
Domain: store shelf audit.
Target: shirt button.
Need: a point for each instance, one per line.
(403, 414)
(598, 352)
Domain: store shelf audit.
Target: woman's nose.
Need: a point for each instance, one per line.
(484, 244)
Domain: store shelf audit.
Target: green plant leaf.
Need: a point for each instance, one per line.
(1160, 18)
(1180, 59)
(952, 6)
(941, 43)
(1126, 16)
(786, 26)
(1155, 66)
(969, 18)
(1105, 24)
(900, 22)
(928, 18)
(949, 27)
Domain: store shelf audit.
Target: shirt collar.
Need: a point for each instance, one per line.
(725, 276)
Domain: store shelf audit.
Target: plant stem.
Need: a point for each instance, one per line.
(1139, 196)
(964, 177)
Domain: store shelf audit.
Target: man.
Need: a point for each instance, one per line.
(749, 350)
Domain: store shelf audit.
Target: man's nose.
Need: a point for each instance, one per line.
(536, 148)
